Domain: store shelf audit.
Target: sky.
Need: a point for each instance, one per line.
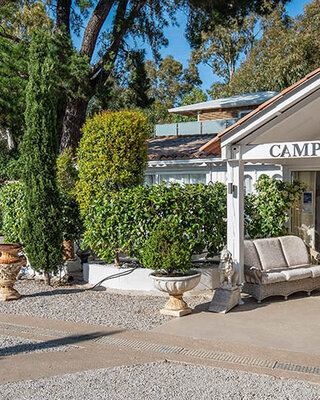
(180, 49)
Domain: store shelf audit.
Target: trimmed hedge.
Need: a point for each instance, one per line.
(112, 154)
(123, 220)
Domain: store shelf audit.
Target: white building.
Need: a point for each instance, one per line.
(174, 152)
(285, 131)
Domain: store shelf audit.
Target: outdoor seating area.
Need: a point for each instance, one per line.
(160, 200)
(280, 266)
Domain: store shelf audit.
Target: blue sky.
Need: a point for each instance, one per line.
(180, 49)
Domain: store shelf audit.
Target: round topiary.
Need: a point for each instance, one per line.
(167, 249)
(112, 154)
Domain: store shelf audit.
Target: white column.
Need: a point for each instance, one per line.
(235, 209)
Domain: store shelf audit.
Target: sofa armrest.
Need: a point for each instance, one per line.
(315, 256)
(252, 274)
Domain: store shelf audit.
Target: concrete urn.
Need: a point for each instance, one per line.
(10, 265)
(175, 286)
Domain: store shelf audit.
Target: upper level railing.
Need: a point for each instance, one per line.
(194, 128)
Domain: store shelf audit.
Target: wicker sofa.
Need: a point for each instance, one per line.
(279, 266)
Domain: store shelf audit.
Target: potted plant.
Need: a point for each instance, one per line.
(168, 252)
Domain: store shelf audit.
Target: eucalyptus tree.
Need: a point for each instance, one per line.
(108, 29)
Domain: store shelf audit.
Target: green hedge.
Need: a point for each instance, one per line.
(123, 220)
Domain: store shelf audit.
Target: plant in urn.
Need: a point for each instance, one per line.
(10, 265)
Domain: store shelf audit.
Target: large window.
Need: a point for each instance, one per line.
(175, 178)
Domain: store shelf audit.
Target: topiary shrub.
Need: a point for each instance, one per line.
(167, 249)
(112, 154)
(12, 211)
(123, 220)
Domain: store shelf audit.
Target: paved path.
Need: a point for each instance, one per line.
(94, 347)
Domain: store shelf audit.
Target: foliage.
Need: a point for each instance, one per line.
(222, 48)
(122, 220)
(67, 178)
(42, 230)
(268, 210)
(12, 211)
(167, 249)
(67, 173)
(17, 20)
(112, 154)
(288, 50)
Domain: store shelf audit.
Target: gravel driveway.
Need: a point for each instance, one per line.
(70, 303)
(161, 381)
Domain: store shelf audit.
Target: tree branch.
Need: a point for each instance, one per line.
(95, 23)
(118, 34)
(63, 15)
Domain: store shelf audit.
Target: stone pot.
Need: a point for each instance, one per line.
(68, 247)
(10, 265)
(175, 286)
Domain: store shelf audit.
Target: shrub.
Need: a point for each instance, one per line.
(12, 211)
(123, 220)
(67, 177)
(41, 228)
(267, 211)
(112, 154)
(167, 249)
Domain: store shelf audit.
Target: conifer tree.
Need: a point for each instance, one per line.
(42, 232)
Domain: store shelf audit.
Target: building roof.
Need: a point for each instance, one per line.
(214, 145)
(178, 147)
(241, 100)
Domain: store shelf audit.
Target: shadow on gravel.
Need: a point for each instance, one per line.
(55, 292)
(71, 340)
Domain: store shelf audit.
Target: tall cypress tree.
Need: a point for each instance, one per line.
(42, 228)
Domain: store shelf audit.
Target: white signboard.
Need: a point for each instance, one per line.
(282, 150)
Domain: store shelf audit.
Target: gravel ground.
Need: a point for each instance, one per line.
(74, 304)
(162, 380)
(10, 345)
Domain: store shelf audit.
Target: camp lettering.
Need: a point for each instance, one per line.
(295, 150)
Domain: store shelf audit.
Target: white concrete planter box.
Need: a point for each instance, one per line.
(94, 272)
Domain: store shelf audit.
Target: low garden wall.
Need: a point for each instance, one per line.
(138, 280)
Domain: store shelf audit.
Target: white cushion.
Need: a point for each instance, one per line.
(315, 271)
(294, 274)
(272, 276)
(294, 250)
(270, 253)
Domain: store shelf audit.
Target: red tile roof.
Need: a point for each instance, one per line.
(178, 147)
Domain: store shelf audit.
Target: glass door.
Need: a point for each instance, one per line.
(304, 222)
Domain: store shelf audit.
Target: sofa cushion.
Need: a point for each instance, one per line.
(294, 274)
(272, 276)
(294, 250)
(251, 257)
(270, 253)
(315, 271)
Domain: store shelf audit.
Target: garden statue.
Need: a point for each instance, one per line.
(227, 295)
(227, 273)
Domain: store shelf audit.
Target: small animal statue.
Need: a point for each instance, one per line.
(228, 276)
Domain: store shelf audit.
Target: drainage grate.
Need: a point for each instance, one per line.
(210, 355)
(31, 330)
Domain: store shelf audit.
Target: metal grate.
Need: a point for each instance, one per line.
(210, 355)
(30, 330)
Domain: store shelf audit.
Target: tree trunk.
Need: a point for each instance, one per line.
(46, 278)
(74, 118)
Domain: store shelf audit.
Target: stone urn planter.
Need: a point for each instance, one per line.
(10, 265)
(175, 286)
